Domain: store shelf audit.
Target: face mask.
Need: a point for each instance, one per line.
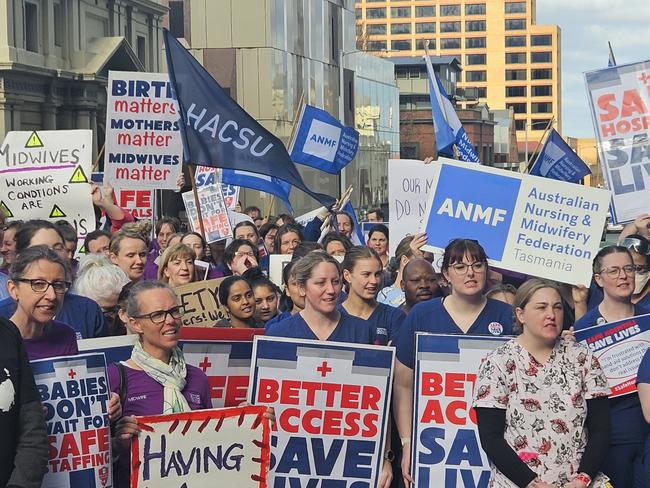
(640, 281)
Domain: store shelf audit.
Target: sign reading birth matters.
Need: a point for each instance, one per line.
(527, 224)
(620, 107)
(446, 450)
(331, 404)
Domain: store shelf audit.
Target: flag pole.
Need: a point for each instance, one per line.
(530, 164)
(99, 158)
(197, 203)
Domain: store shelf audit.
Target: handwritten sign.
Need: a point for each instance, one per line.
(74, 391)
(201, 302)
(331, 404)
(229, 447)
(446, 447)
(213, 211)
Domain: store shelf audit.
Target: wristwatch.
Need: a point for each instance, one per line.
(389, 455)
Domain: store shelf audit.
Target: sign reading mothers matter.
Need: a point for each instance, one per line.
(143, 140)
(446, 447)
(527, 224)
(74, 391)
(331, 405)
(201, 303)
(225, 447)
(619, 347)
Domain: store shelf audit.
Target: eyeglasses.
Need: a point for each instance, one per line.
(294, 242)
(41, 286)
(615, 271)
(58, 247)
(241, 254)
(641, 269)
(159, 316)
(110, 311)
(477, 267)
(636, 245)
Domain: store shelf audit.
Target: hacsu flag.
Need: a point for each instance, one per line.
(217, 132)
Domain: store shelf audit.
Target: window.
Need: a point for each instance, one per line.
(545, 40)
(474, 59)
(376, 45)
(400, 45)
(58, 24)
(516, 7)
(400, 28)
(539, 124)
(31, 27)
(518, 108)
(515, 24)
(376, 29)
(541, 74)
(449, 26)
(474, 42)
(142, 50)
(475, 9)
(482, 92)
(450, 43)
(375, 13)
(515, 91)
(541, 107)
(358, 13)
(401, 72)
(520, 124)
(449, 10)
(515, 74)
(425, 27)
(515, 41)
(400, 12)
(419, 43)
(542, 91)
(475, 26)
(475, 75)
(425, 11)
(515, 58)
(541, 57)
(415, 73)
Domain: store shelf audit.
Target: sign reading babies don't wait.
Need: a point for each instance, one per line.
(528, 224)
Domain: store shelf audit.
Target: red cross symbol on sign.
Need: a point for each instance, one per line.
(72, 374)
(323, 369)
(205, 364)
(644, 78)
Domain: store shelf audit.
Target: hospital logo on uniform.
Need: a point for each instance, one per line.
(322, 140)
(495, 328)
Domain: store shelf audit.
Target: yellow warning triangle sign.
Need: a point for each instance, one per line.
(34, 140)
(56, 212)
(5, 210)
(82, 250)
(78, 176)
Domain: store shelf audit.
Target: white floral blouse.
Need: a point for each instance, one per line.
(545, 406)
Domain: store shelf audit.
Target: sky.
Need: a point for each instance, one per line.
(586, 27)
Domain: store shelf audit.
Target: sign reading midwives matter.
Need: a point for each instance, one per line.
(214, 214)
(331, 405)
(620, 105)
(74, 391)
(527, 224)
(143, 140)
(619, 347)
(46, 175)
(226, 447)
(446, 447)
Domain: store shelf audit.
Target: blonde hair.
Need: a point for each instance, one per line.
(180, 250)
(525, 293)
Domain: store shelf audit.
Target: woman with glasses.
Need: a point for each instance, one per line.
(614, 273)
(176, 266)
(464, 311)
(241, 255)
(287, 239)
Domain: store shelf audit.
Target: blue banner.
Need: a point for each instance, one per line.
(268, 184)
(557, 161)
(322, 142)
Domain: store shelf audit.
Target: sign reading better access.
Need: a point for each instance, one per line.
(527, 224)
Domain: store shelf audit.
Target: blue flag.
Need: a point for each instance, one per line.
(557, 161)
(322, 142)
(217, 132)
(357, 233)
(268, 184)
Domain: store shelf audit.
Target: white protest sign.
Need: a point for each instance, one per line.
(277, 262)
(144, 149)
(213, 212)
(527, 224)
(46, 175)
(138, 202)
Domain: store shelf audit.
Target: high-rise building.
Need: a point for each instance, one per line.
(511, 60)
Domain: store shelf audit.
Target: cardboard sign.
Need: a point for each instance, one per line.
(619, 347)
(225, 447)
(144, 149)
(331, 403)
(277, 262)
(446, 446)
(224, 355)
(620, 108)
(213, 212)
(46, 175)
(74, 391)
(201, 302)
(527, 224)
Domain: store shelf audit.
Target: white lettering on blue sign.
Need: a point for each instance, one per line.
(473, 212)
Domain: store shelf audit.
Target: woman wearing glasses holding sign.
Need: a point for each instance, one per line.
(615, 272)
(464, 311)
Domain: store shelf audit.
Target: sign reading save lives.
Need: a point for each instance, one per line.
(528, 224)
(46, 175)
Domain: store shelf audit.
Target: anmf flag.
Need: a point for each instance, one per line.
(558, 161)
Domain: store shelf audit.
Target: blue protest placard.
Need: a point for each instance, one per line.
(619, 347)
(527, 224)
(75, 393)
(331, 404)
(446, 450)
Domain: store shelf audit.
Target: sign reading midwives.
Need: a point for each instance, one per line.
(526, 224)
(46, 175)
(620, 105)
(446, 447)
(74, 391)
(143, 141)
(331, 405)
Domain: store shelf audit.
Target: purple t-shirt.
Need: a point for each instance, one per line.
(59, 339)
